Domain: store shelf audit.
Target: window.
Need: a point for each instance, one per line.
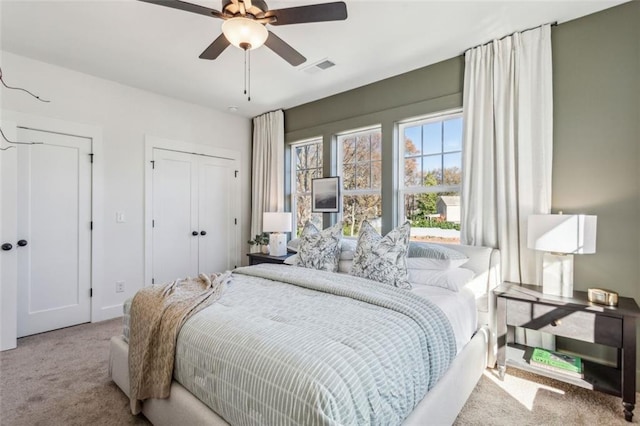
(307, 164)
(431, 175)
(360, 166)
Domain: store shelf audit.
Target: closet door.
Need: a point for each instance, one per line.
(194, 215)
(217, 247)
(54, 231)
(175, 215)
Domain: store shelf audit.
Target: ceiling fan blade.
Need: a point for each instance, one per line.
(284, 50)
(336, 11)
(216, 48)
(188, 7)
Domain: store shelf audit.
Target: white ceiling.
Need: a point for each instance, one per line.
(156, 48)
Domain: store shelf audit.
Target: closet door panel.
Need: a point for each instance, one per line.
(216, 214)
(175, 210)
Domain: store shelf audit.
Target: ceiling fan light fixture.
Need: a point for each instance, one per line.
(244, 31)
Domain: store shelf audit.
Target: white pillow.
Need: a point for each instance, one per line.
(451, 279)
(293, 245)
(344, 266)
(347, 248)
(291, 260)
(429, 263)
(441, 257)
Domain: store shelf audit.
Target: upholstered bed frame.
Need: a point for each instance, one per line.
(440, 406)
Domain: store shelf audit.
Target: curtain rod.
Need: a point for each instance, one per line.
(269, 112)
(552, 24)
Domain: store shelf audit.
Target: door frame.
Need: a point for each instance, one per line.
(150, 143)
(14, 120)
(8, 233)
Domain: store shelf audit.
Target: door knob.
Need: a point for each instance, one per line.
(7, 246)
(203, 232)
(22, 243)
(194, 233)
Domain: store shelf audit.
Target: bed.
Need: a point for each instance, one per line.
(474, 334)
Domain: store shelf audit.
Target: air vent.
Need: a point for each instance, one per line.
(319, 66)
(325, 64)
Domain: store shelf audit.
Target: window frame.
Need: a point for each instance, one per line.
(422, 189)
(340, 166)
(294, 177)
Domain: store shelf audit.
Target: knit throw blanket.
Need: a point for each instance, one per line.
(157, 314)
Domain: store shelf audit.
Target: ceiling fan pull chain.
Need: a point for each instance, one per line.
(245, 71)
(249, 76)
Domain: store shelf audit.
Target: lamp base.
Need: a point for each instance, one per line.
(277, 244)
(557, 274)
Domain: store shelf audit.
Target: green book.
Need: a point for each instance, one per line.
(557, 360)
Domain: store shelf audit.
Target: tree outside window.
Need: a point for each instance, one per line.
(360, 165)
(307, 165)
(432, 174)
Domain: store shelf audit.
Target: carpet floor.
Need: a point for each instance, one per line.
(61, 378)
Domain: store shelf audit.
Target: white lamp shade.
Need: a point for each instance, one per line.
(276, 222)
(244, 30)
(562, 233)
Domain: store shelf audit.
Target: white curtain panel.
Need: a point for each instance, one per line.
(267, 181)
(507, 154)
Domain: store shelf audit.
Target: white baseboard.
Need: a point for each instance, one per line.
(107, 313)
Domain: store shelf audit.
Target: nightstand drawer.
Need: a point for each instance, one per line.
(580, 325)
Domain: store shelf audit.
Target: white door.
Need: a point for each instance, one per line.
(175, 216)
(193, 221)
(54, 223)
(216, 219)
(8, 239)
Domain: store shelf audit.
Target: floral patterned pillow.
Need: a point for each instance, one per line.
(319, 249)
(383, 259)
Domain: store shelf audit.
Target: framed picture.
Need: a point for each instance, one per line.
(325, 195)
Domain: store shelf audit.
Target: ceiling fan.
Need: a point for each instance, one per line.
(245, 21)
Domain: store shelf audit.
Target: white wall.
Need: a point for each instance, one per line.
(124, 115)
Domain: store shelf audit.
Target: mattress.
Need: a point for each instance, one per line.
(459, 308)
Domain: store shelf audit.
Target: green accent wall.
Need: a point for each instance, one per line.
(596, 151)
(596, 155)
(431, 89)
(596, 165)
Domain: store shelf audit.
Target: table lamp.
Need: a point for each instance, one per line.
(561, 236)
(277, 224)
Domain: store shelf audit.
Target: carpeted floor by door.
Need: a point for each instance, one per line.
(61, 378)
